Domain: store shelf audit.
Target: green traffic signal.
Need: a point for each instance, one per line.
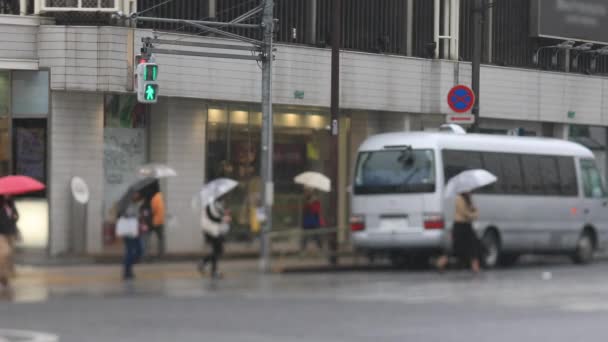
(150, 92)
(150, 72)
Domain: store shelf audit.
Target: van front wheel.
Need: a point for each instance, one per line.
(585, 249)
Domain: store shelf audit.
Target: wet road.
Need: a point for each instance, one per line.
(549, 300)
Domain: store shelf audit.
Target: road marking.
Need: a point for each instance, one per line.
(9, 335)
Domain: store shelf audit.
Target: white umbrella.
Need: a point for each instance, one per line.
(156, 171)
(314, 180)
(216, 189)
(468, 181)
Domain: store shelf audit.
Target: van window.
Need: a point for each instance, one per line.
(532, 176)
(592, 180)
(550, 175)
(511, 168)
(567, 176)
(492, 163)
(395, 171)
(455, 162)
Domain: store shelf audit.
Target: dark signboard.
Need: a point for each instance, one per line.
(580, 20)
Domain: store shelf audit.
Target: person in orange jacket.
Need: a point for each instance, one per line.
(157, 208)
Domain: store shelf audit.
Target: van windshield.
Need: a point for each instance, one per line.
(395, 171)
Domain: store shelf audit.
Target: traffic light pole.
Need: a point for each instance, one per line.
(478, 15)
(267, 133)
(266, 55)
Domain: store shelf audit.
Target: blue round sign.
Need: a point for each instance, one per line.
(461, 99)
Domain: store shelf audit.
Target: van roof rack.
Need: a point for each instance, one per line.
(452, 128)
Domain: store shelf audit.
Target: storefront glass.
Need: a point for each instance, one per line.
(24, 108)
(300, 144)
(30, 93)
(125, 147)
(5, 146)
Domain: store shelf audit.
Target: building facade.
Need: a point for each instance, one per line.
(67, 106)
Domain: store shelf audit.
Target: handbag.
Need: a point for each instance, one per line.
(127, 227)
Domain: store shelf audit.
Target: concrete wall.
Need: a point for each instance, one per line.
(95, 59)
(18, 37)
(85, 58)
(186, 148)
(76, 149)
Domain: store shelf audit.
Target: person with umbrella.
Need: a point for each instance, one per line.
(8, 233)
(155, 203)
(130, 228)
(311, 218)
(466, 245)
(215, 221)
(9, 186)
(311, 211)
(131, 225)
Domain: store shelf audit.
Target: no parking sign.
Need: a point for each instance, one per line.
(461, 99)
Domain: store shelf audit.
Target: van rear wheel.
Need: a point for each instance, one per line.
(490, 249)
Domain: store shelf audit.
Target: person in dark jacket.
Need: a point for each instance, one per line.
(215, 224)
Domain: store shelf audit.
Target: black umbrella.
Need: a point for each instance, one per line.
(136, 187)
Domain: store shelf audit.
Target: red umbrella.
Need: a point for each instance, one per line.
(18, 185)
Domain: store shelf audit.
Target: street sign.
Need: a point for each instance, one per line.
(461, 119)
(461, 99)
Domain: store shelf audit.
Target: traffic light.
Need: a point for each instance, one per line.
(147, 87)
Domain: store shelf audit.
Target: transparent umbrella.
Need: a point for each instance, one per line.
(314, 180)
(156, 171)
(468, 181)
(212, 191)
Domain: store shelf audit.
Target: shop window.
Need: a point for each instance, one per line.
(30, 93)
(5, 155)
(5, 141)
(233, 150)
(29, 149)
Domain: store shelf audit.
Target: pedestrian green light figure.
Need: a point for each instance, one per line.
(150, 92)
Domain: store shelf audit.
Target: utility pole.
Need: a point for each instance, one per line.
(267, 132)
(478, 11)
(336, 37)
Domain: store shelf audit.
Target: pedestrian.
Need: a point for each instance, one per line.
(157, 207)
(311, 218)
(130, 226)
(215, 223)
(466, 244)
(8, 234)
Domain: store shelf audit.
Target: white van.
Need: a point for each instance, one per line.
(549, 198)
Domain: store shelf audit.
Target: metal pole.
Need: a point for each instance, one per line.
(311, 30)
(436, 24)
(267, 132)
(336, 35)
(478, 9)
(410, 28)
